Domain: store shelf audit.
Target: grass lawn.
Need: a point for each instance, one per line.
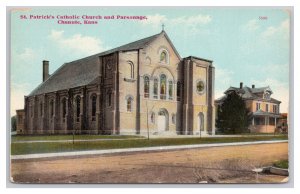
(15, 138)
(44, 147)
(282, 164)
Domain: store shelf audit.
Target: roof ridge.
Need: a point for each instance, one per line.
(84, 61)
(115, 48)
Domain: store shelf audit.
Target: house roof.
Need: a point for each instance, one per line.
(80, 72)
(263, 113)
(248, 93)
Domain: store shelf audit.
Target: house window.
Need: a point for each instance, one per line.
(94, 102)
(178, 90)
(78, 108)
(64, 109)
(155, 88)
(129, 104)
(174, 119)
(259, 121)
(163, 81)
(152, 118)
(267, 108)
(257, 106)
(170, 90)
(274, 108)
(146, 87)
(267, 96)
(272, 121)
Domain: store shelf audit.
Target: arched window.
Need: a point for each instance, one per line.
(51, 108)
(131, 68)
(170, 89)
(146, 87)
(78, 108)
(41, 109)
(163, 57)
(152, 117)
(109, 96)
(155, 88)
(163, 81)
(129, 104)
(31, 109)
(178, 90)
(64, 108)
(94, 102)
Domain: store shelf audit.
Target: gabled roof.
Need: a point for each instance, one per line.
(248, 93)
(80, 72)
(261, 90)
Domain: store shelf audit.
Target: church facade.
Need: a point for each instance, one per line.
(143, 87)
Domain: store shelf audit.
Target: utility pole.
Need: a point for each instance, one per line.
(148, 132)
(200, 130)
(147, 120)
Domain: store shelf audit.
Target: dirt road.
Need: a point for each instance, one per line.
(232, 164)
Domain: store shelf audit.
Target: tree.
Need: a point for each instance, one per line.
(13, 120)
(233, 116)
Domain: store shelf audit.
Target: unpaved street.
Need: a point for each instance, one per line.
(216, 165)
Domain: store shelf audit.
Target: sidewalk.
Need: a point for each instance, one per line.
(70, 140)
(128, 150)
(142, 137)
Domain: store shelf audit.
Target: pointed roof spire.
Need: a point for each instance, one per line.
(163, 27)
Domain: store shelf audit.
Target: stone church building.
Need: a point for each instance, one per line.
(138, 88)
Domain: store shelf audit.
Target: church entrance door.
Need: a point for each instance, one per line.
(201, 122)
(162, 120)
(161, 123)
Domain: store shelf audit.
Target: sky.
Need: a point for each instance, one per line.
(249, 45)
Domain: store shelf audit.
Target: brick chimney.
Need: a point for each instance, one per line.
(45, 70)
(253, 86)
(241, 85)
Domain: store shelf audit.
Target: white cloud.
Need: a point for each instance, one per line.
(251, 25)
(17, 93)
(83, 45)
(192, 20)
(24, 62)
(184, 22)
(280, 91)
(223, 78)
(279, 70)
(155, 20)
(270, 31)
(27, 55)
(282, 30)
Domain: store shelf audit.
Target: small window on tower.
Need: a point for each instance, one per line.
(129, 104)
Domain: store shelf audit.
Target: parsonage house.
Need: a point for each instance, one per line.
(263, 108)
(138, 88)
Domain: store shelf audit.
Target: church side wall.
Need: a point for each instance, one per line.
(44, 112)
(128, 65)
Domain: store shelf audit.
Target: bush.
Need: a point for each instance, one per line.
(13, 123)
